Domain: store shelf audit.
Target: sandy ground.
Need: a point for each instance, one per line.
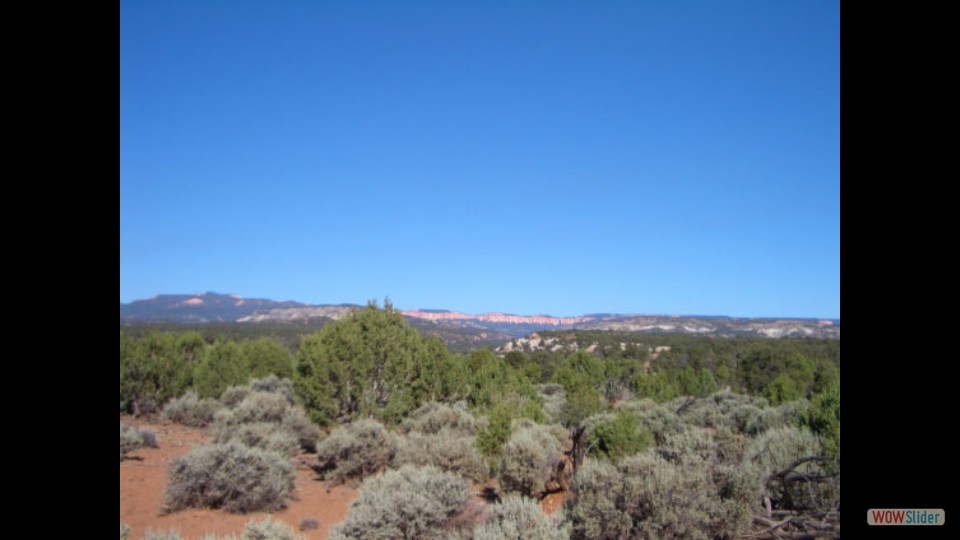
(143, 480)
(553, 502)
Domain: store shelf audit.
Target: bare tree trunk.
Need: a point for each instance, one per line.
(579, 447)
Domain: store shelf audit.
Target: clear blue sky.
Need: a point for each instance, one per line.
(558, 157)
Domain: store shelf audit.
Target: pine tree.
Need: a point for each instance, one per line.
(223, 366)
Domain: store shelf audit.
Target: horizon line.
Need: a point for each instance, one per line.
(478, 314)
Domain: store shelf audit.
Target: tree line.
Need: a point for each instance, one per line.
(373, 364)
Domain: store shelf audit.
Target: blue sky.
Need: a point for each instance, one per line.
(558, 157)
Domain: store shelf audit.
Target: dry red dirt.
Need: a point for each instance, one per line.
(553, 502)
(143, 480)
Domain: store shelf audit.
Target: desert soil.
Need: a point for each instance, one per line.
(143, 480)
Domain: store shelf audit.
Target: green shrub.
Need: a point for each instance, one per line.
(783, 388)
(446, 450)
(356, 451)
(124, 532)
(266, 356)
(223, 365)
(528, 458)
(496, 432)
(516, 518)
(823, 417)
(191, 411)
(408, 503)
(155, 368)
(372, 364)
(620, 436)
(231, 476)
(582, 402)
(261, 435)
(433, 417)
(592, 422)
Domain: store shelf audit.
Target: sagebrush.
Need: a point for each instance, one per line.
(807, 486)
(434, 417)
(262, 435)
(518, 518)
(231, 476)
(266, 401)
(356, 451)
(409, 503)
(134, 438)
(267, 529)
(445, 450)
(554, 401)
(682, 489)
(527, 459)
(617, 436)
(191, 411)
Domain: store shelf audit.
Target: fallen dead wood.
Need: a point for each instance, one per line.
(796, 526)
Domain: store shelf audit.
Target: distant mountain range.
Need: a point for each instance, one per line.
(218, 308)
(455, 327)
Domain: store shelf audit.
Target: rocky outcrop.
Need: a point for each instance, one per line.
(482, 328)
(498, 318)
(298, 314)
(718, 326)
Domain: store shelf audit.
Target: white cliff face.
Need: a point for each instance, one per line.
(530, 344)
(721, 326)
(294, 314)
(692, 325)
(545, 320)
